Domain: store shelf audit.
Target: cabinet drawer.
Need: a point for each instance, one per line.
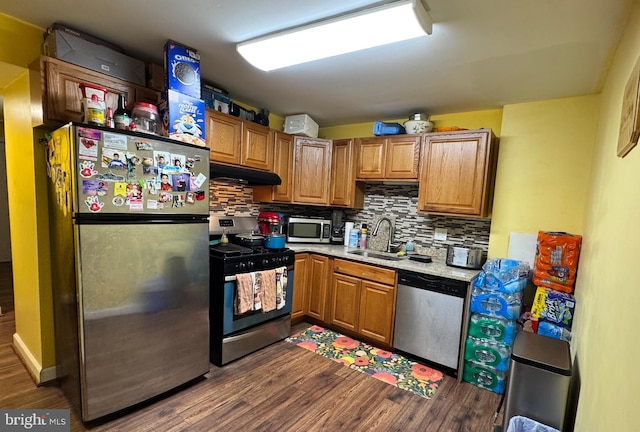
(363, 271)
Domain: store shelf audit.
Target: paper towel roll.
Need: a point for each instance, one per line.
(347, 229)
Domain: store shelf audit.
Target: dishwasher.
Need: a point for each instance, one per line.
(429, 311)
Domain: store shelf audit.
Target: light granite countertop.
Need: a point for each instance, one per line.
(437, 267)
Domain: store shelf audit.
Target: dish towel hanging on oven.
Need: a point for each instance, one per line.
(268, 290)
(244, 293)
(281, 287)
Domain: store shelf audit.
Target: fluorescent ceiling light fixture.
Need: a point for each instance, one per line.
(381, 25)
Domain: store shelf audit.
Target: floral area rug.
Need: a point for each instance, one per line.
(377, 363)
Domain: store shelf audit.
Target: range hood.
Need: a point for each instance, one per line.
(248, 176)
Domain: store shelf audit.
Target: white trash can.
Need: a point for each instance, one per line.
(525, 424)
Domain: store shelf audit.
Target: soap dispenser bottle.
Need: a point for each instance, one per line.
(409, 246)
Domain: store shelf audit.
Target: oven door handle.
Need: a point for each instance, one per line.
(233, 278)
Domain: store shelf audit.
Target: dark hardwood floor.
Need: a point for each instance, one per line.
(279, 388)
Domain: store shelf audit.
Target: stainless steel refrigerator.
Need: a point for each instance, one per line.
(130, 267)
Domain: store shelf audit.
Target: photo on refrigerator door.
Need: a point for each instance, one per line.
(134, 193)
(178, 161)
(181, 182)
(113, 159)
(161, 158)
(95, 188)
(166, 183)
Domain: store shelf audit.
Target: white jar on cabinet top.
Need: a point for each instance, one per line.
(418, 124)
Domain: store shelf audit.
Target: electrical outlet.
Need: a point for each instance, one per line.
(441, 234)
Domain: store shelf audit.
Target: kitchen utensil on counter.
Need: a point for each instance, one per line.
(270, 222)
(348, 226)
(421, 258)
(337, 227)
(470, 258)
(417, 124)
(275, 241)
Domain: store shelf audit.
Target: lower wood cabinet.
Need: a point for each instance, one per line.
(363, 299)
(310, 286)
(317, 286)
(377, 311)
(345, 301)
(300, 281)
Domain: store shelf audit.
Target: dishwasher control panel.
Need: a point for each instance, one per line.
(451, 287)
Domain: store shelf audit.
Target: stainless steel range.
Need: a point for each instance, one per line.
(242, 315)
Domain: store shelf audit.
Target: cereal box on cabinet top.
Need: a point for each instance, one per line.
(183, 118)
(182, 67)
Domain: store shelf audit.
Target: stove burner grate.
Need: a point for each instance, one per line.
(230, 249)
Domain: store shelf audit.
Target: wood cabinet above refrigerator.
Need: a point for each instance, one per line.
(55, 91)
(238, 142)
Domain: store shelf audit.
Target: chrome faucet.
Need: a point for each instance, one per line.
(375, 231)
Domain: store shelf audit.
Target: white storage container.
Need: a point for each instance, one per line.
(301, 124)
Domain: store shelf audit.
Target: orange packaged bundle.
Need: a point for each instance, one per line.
(556, 260)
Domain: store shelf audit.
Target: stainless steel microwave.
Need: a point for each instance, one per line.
(308, 230)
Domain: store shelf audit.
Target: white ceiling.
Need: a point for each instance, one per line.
(482, 54)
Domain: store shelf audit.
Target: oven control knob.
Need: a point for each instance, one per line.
(279, 260)
(250, 265)
(242, 266)
(265, 262)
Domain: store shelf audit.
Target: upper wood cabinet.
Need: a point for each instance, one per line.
(55, 87)
(312, 170)
(224, 137)
(457, 173)
(257, 146)
(238, 142)
(344, 191)
(394, 157)
(283, 166)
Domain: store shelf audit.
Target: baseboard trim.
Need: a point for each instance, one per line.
(39, 374)
(48, 374)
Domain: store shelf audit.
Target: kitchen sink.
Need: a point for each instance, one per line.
(378, 255)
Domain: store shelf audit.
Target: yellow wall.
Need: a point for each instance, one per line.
(608, 289)
(19, 41)
(19, 45)
(490, 119)
(544, 166)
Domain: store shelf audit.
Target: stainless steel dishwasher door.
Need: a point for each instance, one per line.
(429, 321)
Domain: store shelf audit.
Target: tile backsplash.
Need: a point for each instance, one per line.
(398, 202)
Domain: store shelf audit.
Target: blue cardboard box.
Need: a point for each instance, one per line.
(183, 118)
(182, 67)
(215, 99)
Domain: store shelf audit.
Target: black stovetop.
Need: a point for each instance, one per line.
(232, 258)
